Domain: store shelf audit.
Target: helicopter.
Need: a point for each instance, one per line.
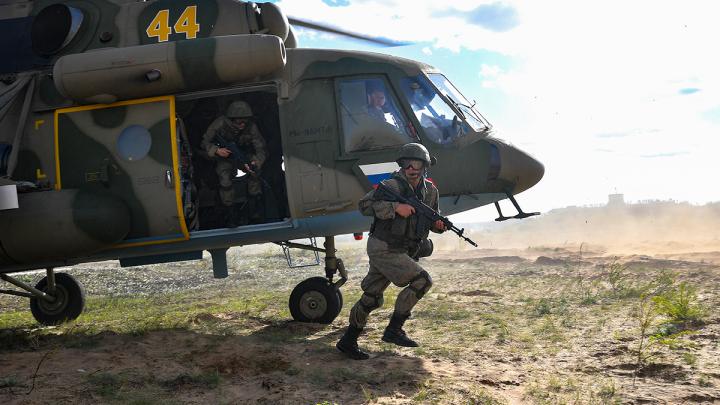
(103, 105)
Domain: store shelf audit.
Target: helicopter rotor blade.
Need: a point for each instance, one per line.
(332, 30)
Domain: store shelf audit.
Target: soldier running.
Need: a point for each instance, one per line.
(393, 239)
(237, 126)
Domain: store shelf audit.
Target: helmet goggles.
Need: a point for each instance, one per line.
(414, 163)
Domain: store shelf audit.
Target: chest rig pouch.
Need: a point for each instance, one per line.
(401, 233)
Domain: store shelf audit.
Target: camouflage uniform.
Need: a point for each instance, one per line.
(394, 241)
(248, 140)
(389, 260)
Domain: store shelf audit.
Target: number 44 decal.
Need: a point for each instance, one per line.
(187, 24)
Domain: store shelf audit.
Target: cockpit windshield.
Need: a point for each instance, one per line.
(443, 121)
(453, 94)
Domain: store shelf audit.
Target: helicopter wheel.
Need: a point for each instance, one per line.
(69, 300)
(315, 300)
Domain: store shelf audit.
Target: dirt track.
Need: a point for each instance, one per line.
(522, 326)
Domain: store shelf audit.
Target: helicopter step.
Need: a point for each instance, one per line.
(287, 246)
(55, 299)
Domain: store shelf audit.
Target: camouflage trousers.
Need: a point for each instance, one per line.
(226, 171)
(389, 266)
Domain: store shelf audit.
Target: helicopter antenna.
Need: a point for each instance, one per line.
(332, 30)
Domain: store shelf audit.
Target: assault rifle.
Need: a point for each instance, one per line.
(240, 158)
(426, 215)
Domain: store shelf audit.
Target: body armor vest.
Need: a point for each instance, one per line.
(401, 233)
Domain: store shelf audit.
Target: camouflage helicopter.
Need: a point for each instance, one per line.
(103, 105)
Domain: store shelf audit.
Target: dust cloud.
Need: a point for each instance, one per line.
(645, 228)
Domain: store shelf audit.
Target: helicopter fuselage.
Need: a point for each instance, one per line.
(104, 182)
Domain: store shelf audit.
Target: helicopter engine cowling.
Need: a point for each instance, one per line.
(57, 225)
(113, 74)
(274, 20)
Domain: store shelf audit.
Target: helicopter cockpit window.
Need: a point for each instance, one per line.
(370, 116)
(453, 94)
(442, 123)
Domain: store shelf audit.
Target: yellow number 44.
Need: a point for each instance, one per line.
(187, 24)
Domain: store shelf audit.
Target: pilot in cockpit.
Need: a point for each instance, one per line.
(376, 103)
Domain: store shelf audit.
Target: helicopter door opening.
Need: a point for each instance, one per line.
(127, 150)
(237, 197)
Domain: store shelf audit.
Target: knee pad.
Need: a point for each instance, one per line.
(370, 302)
(421, 284)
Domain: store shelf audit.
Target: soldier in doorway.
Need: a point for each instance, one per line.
(236, 131)
(393, 240)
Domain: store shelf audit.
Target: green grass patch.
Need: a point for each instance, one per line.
(10, 382)
(569, 390)
(191, 310)
(441, 310)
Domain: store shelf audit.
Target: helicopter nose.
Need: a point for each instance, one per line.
(519, 168)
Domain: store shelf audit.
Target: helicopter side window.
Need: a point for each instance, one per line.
(370, 116)
(440, 122)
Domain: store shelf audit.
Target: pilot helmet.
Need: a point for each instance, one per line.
(239, 109)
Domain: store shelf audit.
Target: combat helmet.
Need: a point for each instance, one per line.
(239, 109)
(414, 151)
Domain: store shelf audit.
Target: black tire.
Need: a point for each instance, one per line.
(315, 300)
(69, 304)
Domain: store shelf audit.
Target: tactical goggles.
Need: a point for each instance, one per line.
(415, 164)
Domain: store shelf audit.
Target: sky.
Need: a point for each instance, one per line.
(611, 96)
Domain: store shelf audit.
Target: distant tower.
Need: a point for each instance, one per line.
(616, 200)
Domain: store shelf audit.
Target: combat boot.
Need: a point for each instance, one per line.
(348, 344)
(395, 334)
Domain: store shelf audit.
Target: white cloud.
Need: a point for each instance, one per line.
(427, 51)
(489, 71)
(441, 23)
(489, 74)
(616, 68)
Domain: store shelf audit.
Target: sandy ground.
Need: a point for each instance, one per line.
(543, 325)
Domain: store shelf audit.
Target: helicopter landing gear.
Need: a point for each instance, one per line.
(520, 215)
(318, 299)
(315, 300)
(57, 298)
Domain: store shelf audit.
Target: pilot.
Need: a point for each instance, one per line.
(376, 104)
(393, 240)
(236, 129)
